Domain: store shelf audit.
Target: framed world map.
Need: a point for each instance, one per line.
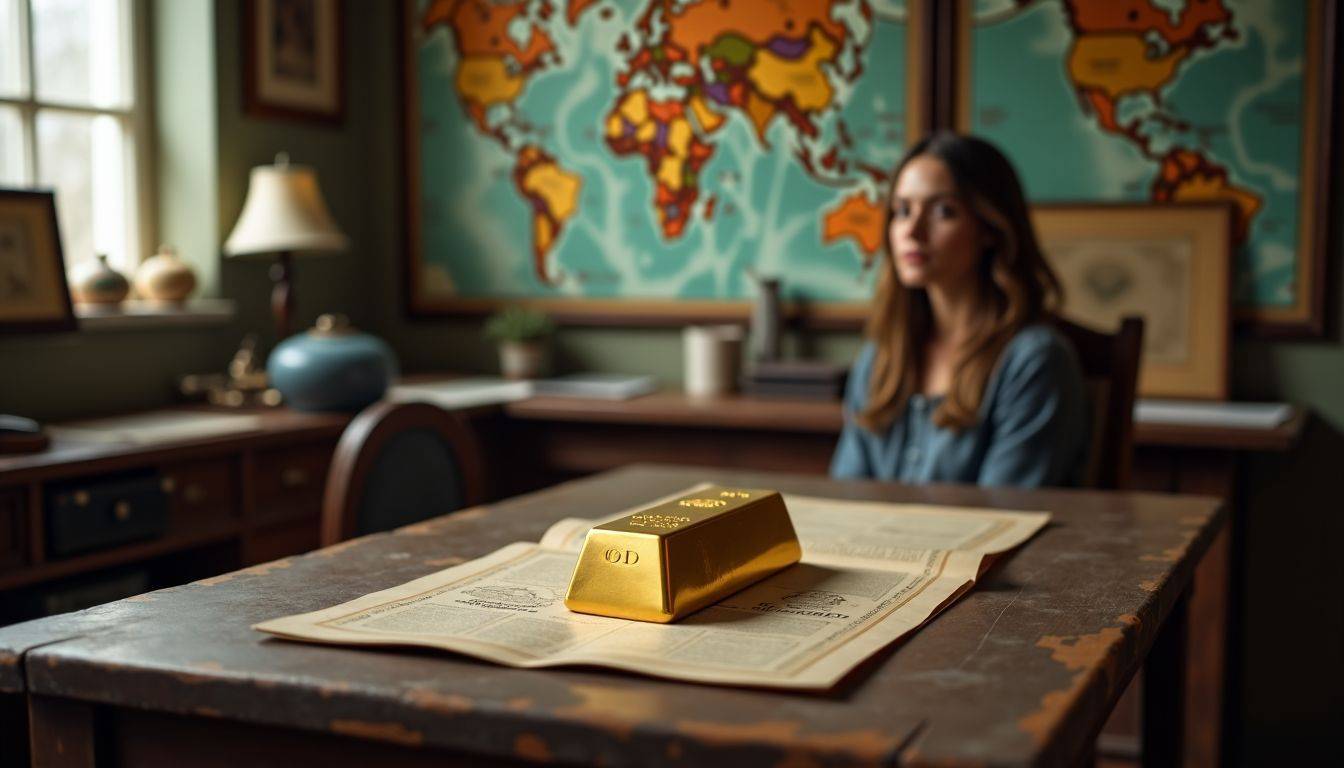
(643, 160)
(1146, 101)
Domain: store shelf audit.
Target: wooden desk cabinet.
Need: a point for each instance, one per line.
(231, 501)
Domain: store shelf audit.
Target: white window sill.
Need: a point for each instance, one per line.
(138, 314)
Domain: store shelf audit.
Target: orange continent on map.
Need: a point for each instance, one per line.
(661, 133)
(552, 193)
(1188, 176)
(859, 219)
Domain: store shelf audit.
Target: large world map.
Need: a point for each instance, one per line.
(654, 149)
(1144, 100)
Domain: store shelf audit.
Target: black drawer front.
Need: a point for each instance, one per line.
(83, 516)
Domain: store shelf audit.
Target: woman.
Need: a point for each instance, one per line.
(963, 380)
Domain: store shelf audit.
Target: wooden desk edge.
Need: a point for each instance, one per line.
(32, 650)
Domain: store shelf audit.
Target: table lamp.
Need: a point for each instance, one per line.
(284, 214)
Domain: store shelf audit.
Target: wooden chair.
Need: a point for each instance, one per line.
(1110, 365)
(399, 463)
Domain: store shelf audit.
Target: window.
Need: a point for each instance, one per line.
(72, 119)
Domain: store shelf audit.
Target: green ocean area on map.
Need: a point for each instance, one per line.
(536, 173)
(1235, 102)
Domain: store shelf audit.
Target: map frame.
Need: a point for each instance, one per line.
(423, 301)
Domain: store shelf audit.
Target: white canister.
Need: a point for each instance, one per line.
(713, 355)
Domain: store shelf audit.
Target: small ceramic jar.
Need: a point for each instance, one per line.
(94, 282)
(164, 278)
(332, 367)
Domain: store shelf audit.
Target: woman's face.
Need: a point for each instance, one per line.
(935, 238)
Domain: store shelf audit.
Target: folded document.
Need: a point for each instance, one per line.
(870, 574)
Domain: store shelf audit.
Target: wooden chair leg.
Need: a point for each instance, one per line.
(1164, 691)
(60, 733)
(13, 731)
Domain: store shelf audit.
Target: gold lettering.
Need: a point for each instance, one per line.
(617, 557)
(703, 503)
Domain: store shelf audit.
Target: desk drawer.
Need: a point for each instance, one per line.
(104, 512)
(13, 515)
(201, 491)
(290, 481)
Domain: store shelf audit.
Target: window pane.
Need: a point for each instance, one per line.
(11, 52)
(12, 171)
(77, 51)
(84, 159)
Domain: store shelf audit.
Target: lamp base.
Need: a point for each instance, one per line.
(282, 295)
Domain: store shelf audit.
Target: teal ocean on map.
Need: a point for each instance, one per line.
(1196, 108)
(614, 150)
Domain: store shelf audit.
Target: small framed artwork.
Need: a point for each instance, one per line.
(294, 59)
(1170, 265)
(33, 292)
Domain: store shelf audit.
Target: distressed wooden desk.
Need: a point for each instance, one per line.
(1023, 670)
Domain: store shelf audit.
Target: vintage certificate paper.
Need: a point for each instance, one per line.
(871, 573)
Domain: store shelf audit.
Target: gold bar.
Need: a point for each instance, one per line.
(671, 559)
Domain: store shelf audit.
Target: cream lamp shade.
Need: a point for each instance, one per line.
(284, 211)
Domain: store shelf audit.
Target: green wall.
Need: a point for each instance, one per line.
(205, 147)
(1293, 624)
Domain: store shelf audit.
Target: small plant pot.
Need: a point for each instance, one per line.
(522, 359)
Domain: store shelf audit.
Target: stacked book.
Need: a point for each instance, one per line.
(796, 379)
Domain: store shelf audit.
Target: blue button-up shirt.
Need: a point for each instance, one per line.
(1032, 430)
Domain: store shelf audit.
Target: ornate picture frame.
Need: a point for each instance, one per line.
(1170, 265)
(1140, 107)
(435, 111)
(294, 59)
(34, 295)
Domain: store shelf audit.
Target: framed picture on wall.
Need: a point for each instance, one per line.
(34, 295)
(1170, 265)
(636, 162)
(293, 59)
(1223, 100)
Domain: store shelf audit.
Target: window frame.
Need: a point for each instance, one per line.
(136, 122)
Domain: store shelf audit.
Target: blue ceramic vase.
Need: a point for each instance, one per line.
(332, 367)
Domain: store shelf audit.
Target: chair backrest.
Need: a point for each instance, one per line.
(396, 464)
(1110, 365)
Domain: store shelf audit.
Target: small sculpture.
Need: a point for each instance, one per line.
(165, 278)
(96, 282)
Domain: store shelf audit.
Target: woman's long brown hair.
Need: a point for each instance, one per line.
(1017, 286)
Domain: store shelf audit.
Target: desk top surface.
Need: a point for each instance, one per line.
(1021, 670)
(663, 409)
(669, 408)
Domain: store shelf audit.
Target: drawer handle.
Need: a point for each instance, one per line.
(121, 511)
(81, 498)
(168, 484)
(193, 494)
(294, 477)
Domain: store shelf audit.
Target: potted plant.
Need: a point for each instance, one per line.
(522, 334)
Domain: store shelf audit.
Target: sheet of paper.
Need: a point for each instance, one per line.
(462, 393)
(870, 574)
(1231, 415)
